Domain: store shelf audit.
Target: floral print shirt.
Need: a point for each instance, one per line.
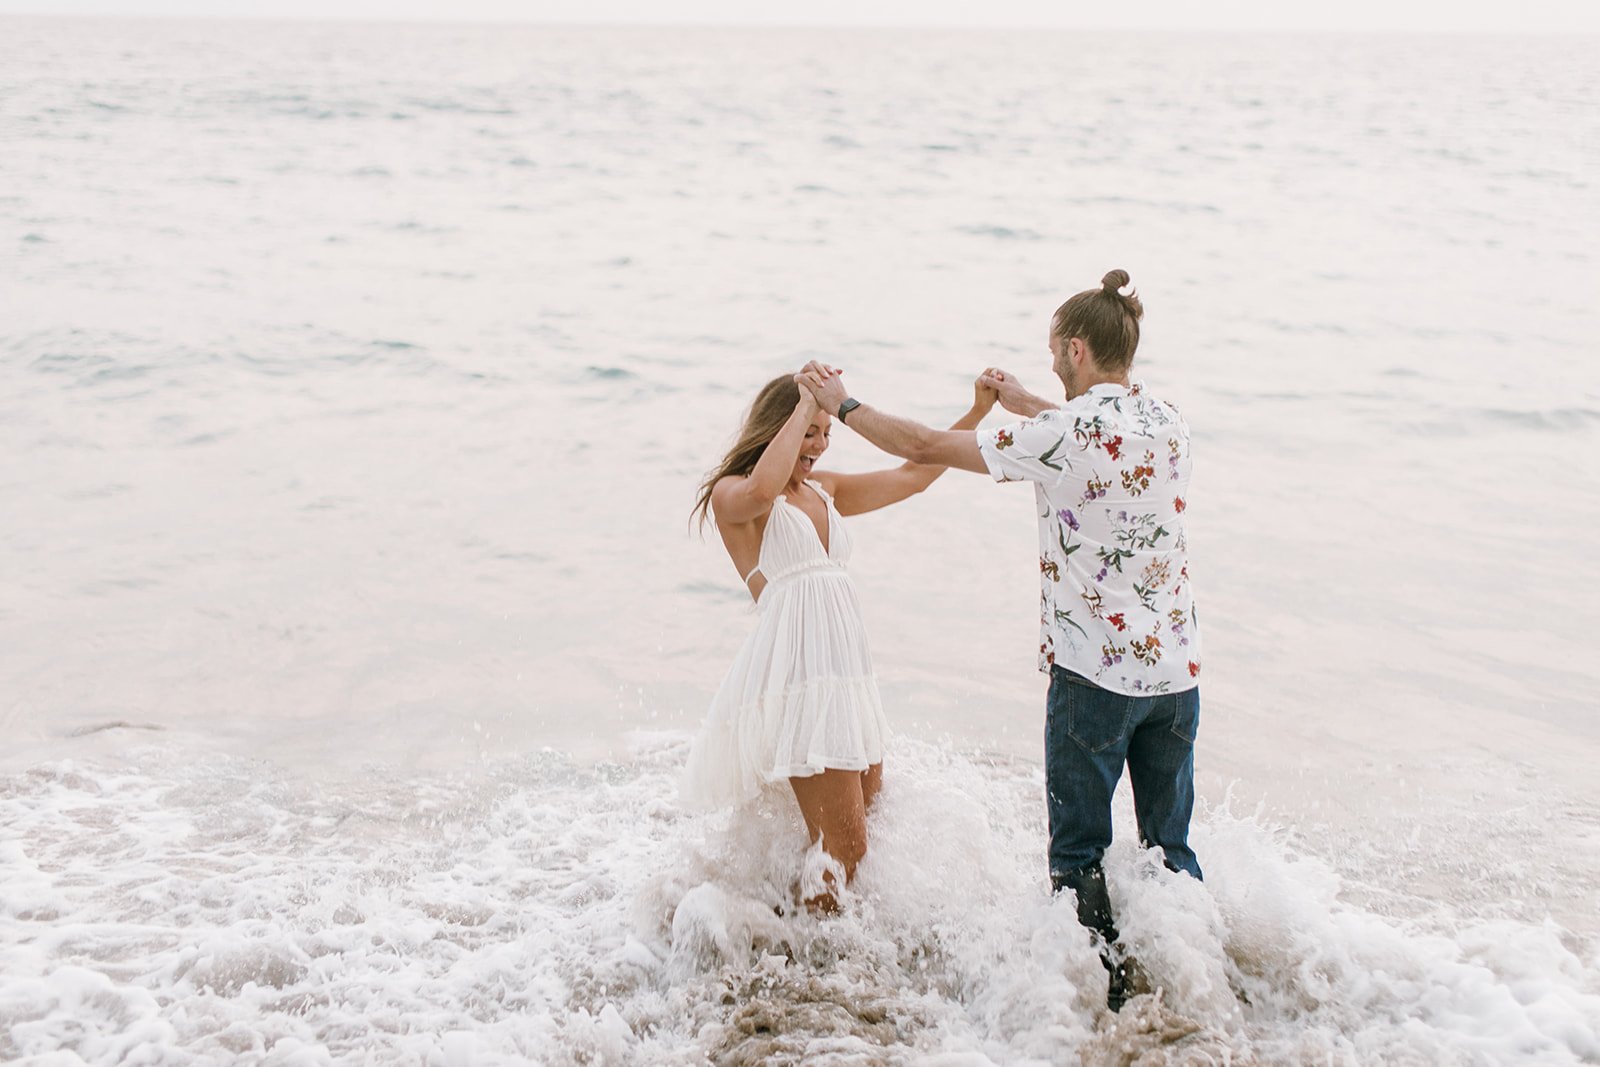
(1110, 471)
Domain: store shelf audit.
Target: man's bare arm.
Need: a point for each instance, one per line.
(916, 442)
(895, 435)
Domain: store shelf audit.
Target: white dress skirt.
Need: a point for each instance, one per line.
(800, 696)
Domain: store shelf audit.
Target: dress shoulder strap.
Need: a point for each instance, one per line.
(823, 493)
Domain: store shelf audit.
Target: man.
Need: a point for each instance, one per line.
(1118, 632)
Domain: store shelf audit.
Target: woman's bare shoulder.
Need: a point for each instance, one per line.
(728, 485)
(829, 480)
(732, 505)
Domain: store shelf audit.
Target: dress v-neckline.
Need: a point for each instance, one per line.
(811, 524)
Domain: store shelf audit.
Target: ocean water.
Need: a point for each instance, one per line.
(354, 384)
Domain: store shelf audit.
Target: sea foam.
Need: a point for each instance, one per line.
(189, 909)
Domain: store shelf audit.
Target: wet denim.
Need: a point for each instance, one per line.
(1090, 733)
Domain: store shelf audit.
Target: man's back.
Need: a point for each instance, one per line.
(1111, 474)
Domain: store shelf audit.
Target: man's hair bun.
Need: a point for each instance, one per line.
(1114, 280)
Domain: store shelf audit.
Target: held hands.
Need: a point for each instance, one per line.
(1007, 390)
(824, 384)
(821, 384)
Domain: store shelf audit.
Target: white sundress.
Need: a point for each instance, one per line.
(800, 696)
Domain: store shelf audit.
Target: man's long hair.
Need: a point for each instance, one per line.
(1105, 319)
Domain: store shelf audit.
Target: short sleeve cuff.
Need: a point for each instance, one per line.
(989, 449)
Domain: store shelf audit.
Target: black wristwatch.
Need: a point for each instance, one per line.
(847, 407)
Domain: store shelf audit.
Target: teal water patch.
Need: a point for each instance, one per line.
(1004, 233)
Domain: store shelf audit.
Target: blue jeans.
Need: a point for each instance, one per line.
(1089, 733)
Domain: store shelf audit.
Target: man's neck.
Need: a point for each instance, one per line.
(1121, 380)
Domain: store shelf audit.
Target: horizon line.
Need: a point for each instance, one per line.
(622, 24)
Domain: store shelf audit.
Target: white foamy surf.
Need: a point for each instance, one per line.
(180, 910)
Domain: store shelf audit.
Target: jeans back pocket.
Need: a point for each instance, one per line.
(1186, 716)
(1096, 718)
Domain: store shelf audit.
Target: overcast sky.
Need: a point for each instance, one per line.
(1536, 16)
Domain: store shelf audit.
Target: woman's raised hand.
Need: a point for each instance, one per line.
(808, 399)
(984, 393)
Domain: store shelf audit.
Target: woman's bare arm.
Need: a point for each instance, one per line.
(744, 499)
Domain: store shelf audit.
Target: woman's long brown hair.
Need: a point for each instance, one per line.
(772, 408)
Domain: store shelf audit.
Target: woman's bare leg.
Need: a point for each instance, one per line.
(833, 807)
(871, 784)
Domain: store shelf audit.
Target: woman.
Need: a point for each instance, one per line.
(800, 701)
